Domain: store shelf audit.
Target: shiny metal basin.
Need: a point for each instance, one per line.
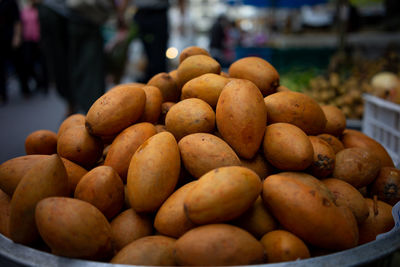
(12, 254)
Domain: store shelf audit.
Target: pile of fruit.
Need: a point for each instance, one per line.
(345, 89)
(199, 167)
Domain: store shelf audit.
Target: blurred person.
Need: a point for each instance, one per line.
(10, 46)
(151, 18)
(73, 46)
(218, 38)
(34, 66)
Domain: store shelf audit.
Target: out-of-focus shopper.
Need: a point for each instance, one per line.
(34, 65)
(73, 46)
(151, 18)
(218, 38)
(10, 46)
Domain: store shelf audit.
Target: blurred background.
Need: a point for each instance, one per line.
(329, 49)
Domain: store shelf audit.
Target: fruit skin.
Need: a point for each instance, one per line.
(324, 158)
(124, 146)
(207, 87)
(305, 206)
(41, 142)
(45, 179)
(241, 117)
(153, 172)
(115, 110)
(357, 166)
(203, 152)
(103, 188)
(298, 109)
(195, 66)
(347, 195)
(74, 228)
(79, 146)
(129, 226)
(335, 120)
(189, 116)
(156, 250)
(218, 244)
(354, 138)
(380, 220)
(166, 83)
(222, 194)
(257, 70)
(287, 147)
(281, 246)
(387, 185)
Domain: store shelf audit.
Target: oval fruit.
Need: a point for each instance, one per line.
(41, 142)
(169, 89)
(298, 109)
(195, 66)
(387, 185)
(154, 250)
(115, 110)
(218, 244)
(287, 147)
(171, 219)
(335, 120)
(202, 152)
(191, 51)
(333, 141)
(257, 70)
(281, 246)
(257, 220)
(324, 158)
(147, 190)
(129, 226)
(207, 87)
(152, 108)
(357, 166)
(222, 195)
(241, 117)
(12, 171)
(77, 145)
(305, 206)
(74, 228)
(354, 138)
(380, 220)
(103, 188)
(347, 195)
(189, 116)
(124, 146)
(45, 179)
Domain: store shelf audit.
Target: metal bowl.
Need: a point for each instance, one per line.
(12, 254)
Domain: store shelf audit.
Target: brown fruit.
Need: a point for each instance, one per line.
(281, 246)
(354, 138)
(357, 166)
(41, 142)
(129, 226)
(168, 87)
(257, 70)
(333, 141)
(387, 185)
(103, 188)
(77, 145)
(117, 109)
(241, 117)
(218, 244)
(324, 158)
(45, 179)
(191, 51)
(380, 220)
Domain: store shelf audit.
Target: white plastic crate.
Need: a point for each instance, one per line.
(381, 121)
